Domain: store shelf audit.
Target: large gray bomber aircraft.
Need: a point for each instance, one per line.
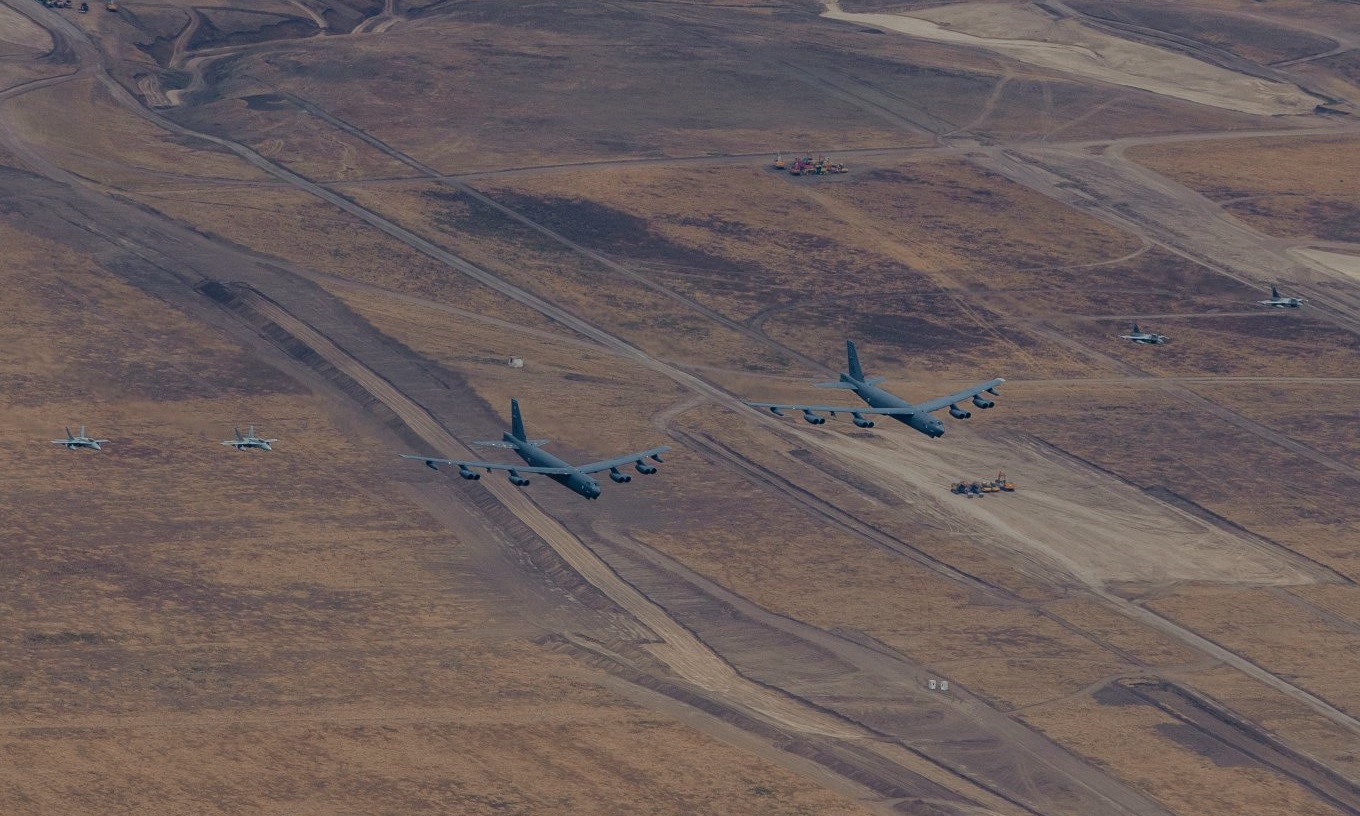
(540, 461)
(882, 403)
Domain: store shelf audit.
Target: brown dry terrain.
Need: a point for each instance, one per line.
(337, 220)
(1285, 187)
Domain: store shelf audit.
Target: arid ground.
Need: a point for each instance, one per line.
(337, 220)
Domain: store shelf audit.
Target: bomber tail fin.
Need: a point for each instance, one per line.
(68, 432)
(516, 421)
(1135, 329)
(852, 357)
(1274, 291)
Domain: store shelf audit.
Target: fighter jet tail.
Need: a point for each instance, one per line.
(852, 357)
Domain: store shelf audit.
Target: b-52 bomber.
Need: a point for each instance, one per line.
(575, 477)
(250, 440)
(73, 441)
(1280, 302)
(882, 403)
(1139, 336)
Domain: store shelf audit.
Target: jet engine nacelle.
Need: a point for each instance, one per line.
(982, 403)
(467, 474)
(428, 463)
(518, 480)
(861, 422)
(644, 468)
(958, 413)
(813, 419)
(776, 412)
(619, 478)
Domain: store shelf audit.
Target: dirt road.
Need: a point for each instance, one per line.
(1130, 194)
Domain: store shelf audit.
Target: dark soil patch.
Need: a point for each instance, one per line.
(1217, 751)
(456, 212)
(267, 101)
(341, 17)
(611, 231)
(227, 28)
(1161, 271)
(1346, 63)
(1116, 695)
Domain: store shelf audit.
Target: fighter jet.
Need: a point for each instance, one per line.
(882, 403)
(1139, 336)
(79, 441)
(574, 477)
(250, 440)
(1281, 302)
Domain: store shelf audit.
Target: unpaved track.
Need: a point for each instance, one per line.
(1177, 387)
(93, 60)
(1233, 659)
(1027, 35)
(673, 644)
(697, 663)
(597, 257)
(1211, 719)
(959, 723)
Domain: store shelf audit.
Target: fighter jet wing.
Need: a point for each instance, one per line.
(626, 459)
(837, 409)
(940, 402)
(488, 465)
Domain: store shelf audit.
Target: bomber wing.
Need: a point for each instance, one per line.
(941, 402)
(835, 409)
(489, 466)
(626, 459)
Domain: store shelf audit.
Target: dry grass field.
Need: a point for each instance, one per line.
(1287, 187)
(403, 197)
(195, 628)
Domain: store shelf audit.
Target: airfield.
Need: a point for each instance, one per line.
(337, 220)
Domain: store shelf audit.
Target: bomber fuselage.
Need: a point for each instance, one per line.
(878, 398)
(537, 457)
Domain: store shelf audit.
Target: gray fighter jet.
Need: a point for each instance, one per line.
(250, 440)
(79, 440)
(882, 403)
(1139, 336)
(540, 461)
(1281, 302)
